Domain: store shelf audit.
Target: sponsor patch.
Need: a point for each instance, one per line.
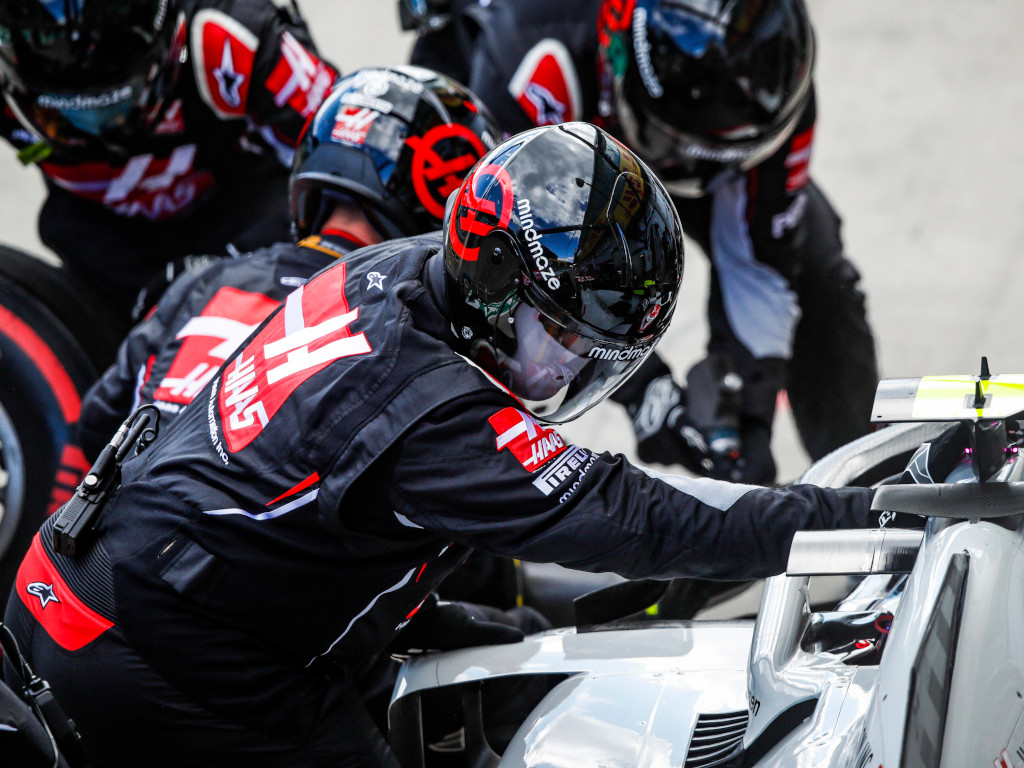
(545, 84)
(531, 443)
(310, 332)
(440, 160)
(301, 79)
(225, 52)
(44, 592)
(209, 338)
(352, 124)
(67, 620)
(149, 186)
(561, 469)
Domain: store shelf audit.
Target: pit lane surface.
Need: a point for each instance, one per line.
(918, 145)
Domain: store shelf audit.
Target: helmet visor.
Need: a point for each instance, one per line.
(559, 374)
(113, 109)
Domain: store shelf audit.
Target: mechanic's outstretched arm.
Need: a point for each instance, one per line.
(523, 492)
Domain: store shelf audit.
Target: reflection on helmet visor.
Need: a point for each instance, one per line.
(560, 374)
(544, 361)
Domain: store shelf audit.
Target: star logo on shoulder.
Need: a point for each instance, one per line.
(375, 280)
(43, 591)
(229, 80)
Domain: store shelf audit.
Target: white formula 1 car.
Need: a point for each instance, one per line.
(920, 666)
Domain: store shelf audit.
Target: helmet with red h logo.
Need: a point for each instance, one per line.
(394, 141)
(564, 256)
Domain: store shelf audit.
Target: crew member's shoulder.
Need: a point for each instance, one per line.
(546, 62)
(233, 42)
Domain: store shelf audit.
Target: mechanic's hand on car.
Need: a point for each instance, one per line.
(440, 625)
(931, 463)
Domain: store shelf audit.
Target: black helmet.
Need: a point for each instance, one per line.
(89, 76)
(564, 255)
(697, 86)
(397, 141)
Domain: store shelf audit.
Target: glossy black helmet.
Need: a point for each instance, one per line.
(697, 86)
(89, 77)
(396, 141)
(563, 255)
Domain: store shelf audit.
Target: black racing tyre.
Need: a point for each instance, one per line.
(44, 372)
(97, 328)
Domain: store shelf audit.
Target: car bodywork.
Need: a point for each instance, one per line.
(920, 666)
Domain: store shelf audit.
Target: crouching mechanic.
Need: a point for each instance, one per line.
(162, 128)
(390, 417)
(377, 161)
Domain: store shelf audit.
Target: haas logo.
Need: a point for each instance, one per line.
(311, 331)
(485, 203)
(534, 445)
(208, 339)
(440, 159)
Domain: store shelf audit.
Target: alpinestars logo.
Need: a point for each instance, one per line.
(534, 445)
(43, 591)
(228, 78)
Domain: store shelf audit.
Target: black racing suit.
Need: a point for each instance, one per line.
(784, 302)
(214, 170)
(295, 515)
(204, 315)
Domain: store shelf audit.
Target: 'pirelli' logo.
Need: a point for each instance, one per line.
(561, 470)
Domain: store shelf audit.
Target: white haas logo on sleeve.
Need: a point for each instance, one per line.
(309, 333)
(530, 442)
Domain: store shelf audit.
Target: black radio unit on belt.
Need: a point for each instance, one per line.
(76, 521)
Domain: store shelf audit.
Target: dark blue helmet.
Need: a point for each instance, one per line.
(397, 142)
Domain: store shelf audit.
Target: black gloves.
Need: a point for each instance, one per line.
(664, 434)
(444, 626)
(933, 461)
(150, 293)
(739, 443)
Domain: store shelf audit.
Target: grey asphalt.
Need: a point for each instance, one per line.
(918, 144)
